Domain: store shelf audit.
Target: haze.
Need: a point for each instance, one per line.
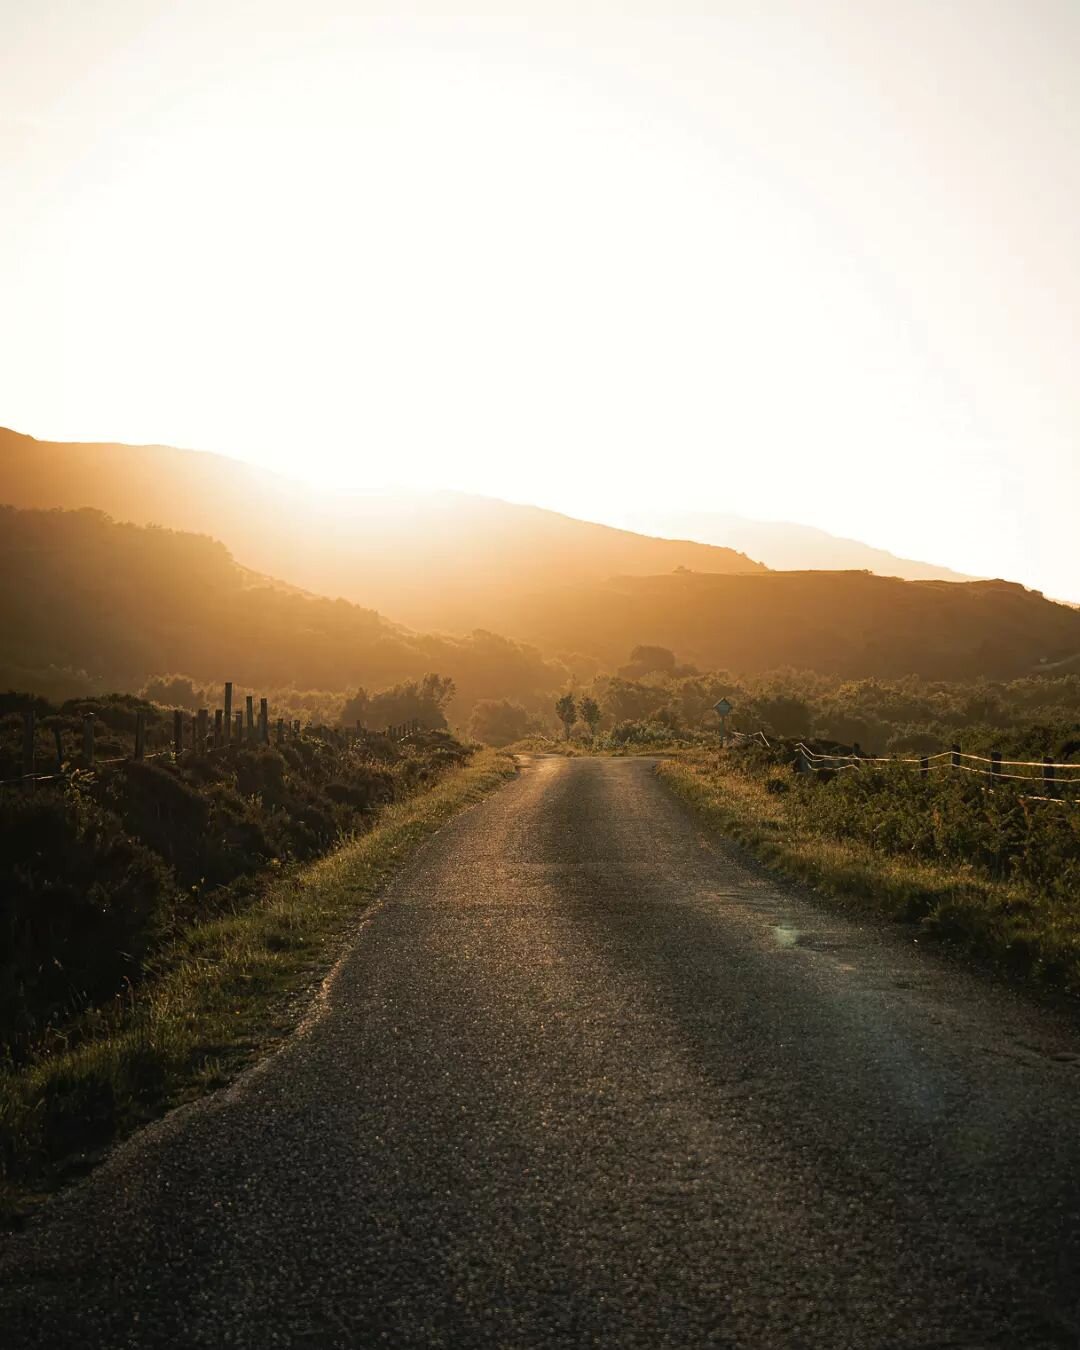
(800, 262)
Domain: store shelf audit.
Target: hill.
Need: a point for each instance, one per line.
(848, 623)
(444, 561)
(89, 605)
(786, 546)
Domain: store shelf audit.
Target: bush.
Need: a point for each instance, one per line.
(81, 904)
(99, 868)
(498, 722)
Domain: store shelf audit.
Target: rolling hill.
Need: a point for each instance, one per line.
(90, 605)
(444, 561)
(846, 623)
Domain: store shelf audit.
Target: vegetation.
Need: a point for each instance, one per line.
(1024, 718)
(985, 868)
(222, 990)
(101, 869)
(566, 712)
(499, 722)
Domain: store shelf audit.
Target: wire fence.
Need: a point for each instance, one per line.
(193, 733)
(1057, 779)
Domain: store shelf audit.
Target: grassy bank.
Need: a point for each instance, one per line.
(229, 988)
(1025, 925)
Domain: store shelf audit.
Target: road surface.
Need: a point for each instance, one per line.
(586, 1079)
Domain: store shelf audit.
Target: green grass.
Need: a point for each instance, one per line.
(229, 990)
(1024, 931)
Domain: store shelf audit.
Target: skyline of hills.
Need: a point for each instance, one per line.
(560, 595)
(458, 560)
(790, 546)
(335, 543)
(91, 605)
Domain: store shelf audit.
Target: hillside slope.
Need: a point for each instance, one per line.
(89, 605)
(848, 623)
(443, 561)
(123, 603)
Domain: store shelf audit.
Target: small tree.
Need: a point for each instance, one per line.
(566, 712)
(589, 711)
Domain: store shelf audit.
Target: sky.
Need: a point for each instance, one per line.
(813, 261)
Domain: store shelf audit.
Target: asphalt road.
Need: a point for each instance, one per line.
(586, 1079)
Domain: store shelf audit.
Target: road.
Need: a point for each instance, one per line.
(585, 1078)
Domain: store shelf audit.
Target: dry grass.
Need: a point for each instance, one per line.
(230, 989)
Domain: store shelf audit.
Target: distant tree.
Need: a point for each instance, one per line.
(566, 712)
(425, 700)
(589, 712)
(498, 721)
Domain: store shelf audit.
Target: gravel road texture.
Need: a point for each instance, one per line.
(588, 1078)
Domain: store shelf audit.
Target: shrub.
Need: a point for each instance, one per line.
(81, 904)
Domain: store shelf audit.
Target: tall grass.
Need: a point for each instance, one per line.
(227, 992)
(982, 869)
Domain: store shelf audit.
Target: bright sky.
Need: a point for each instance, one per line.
(813, 261)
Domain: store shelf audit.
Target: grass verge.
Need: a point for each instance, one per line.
(228, 991)
(1018, 929)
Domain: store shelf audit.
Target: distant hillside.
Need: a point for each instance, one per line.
(848, 623)
(444, 561)
(786, 546)
(88, 605)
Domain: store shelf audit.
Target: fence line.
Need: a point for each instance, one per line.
(249, 729)
(1053, 776)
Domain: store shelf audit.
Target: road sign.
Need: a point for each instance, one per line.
(722, 708)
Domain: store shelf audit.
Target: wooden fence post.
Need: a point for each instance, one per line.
(995, 764)
(249, 720)
(140, 734)
(955, 760)
(1050, 777)
(59, 749)
(29, 731)
(281, 731)
(264, 722)
(204, 727)
(296, 728)
(239, 728)
(228, 710)
(178, 732)
(88, 738)
(219, 726)
(924, 767)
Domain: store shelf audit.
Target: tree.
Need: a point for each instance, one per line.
(425, 701)
(589, 711)
(497, 721)
(566, 712)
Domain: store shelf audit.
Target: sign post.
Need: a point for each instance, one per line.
(722, 709)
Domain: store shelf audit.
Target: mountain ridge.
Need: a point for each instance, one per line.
(792, 546)
(388, 552)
